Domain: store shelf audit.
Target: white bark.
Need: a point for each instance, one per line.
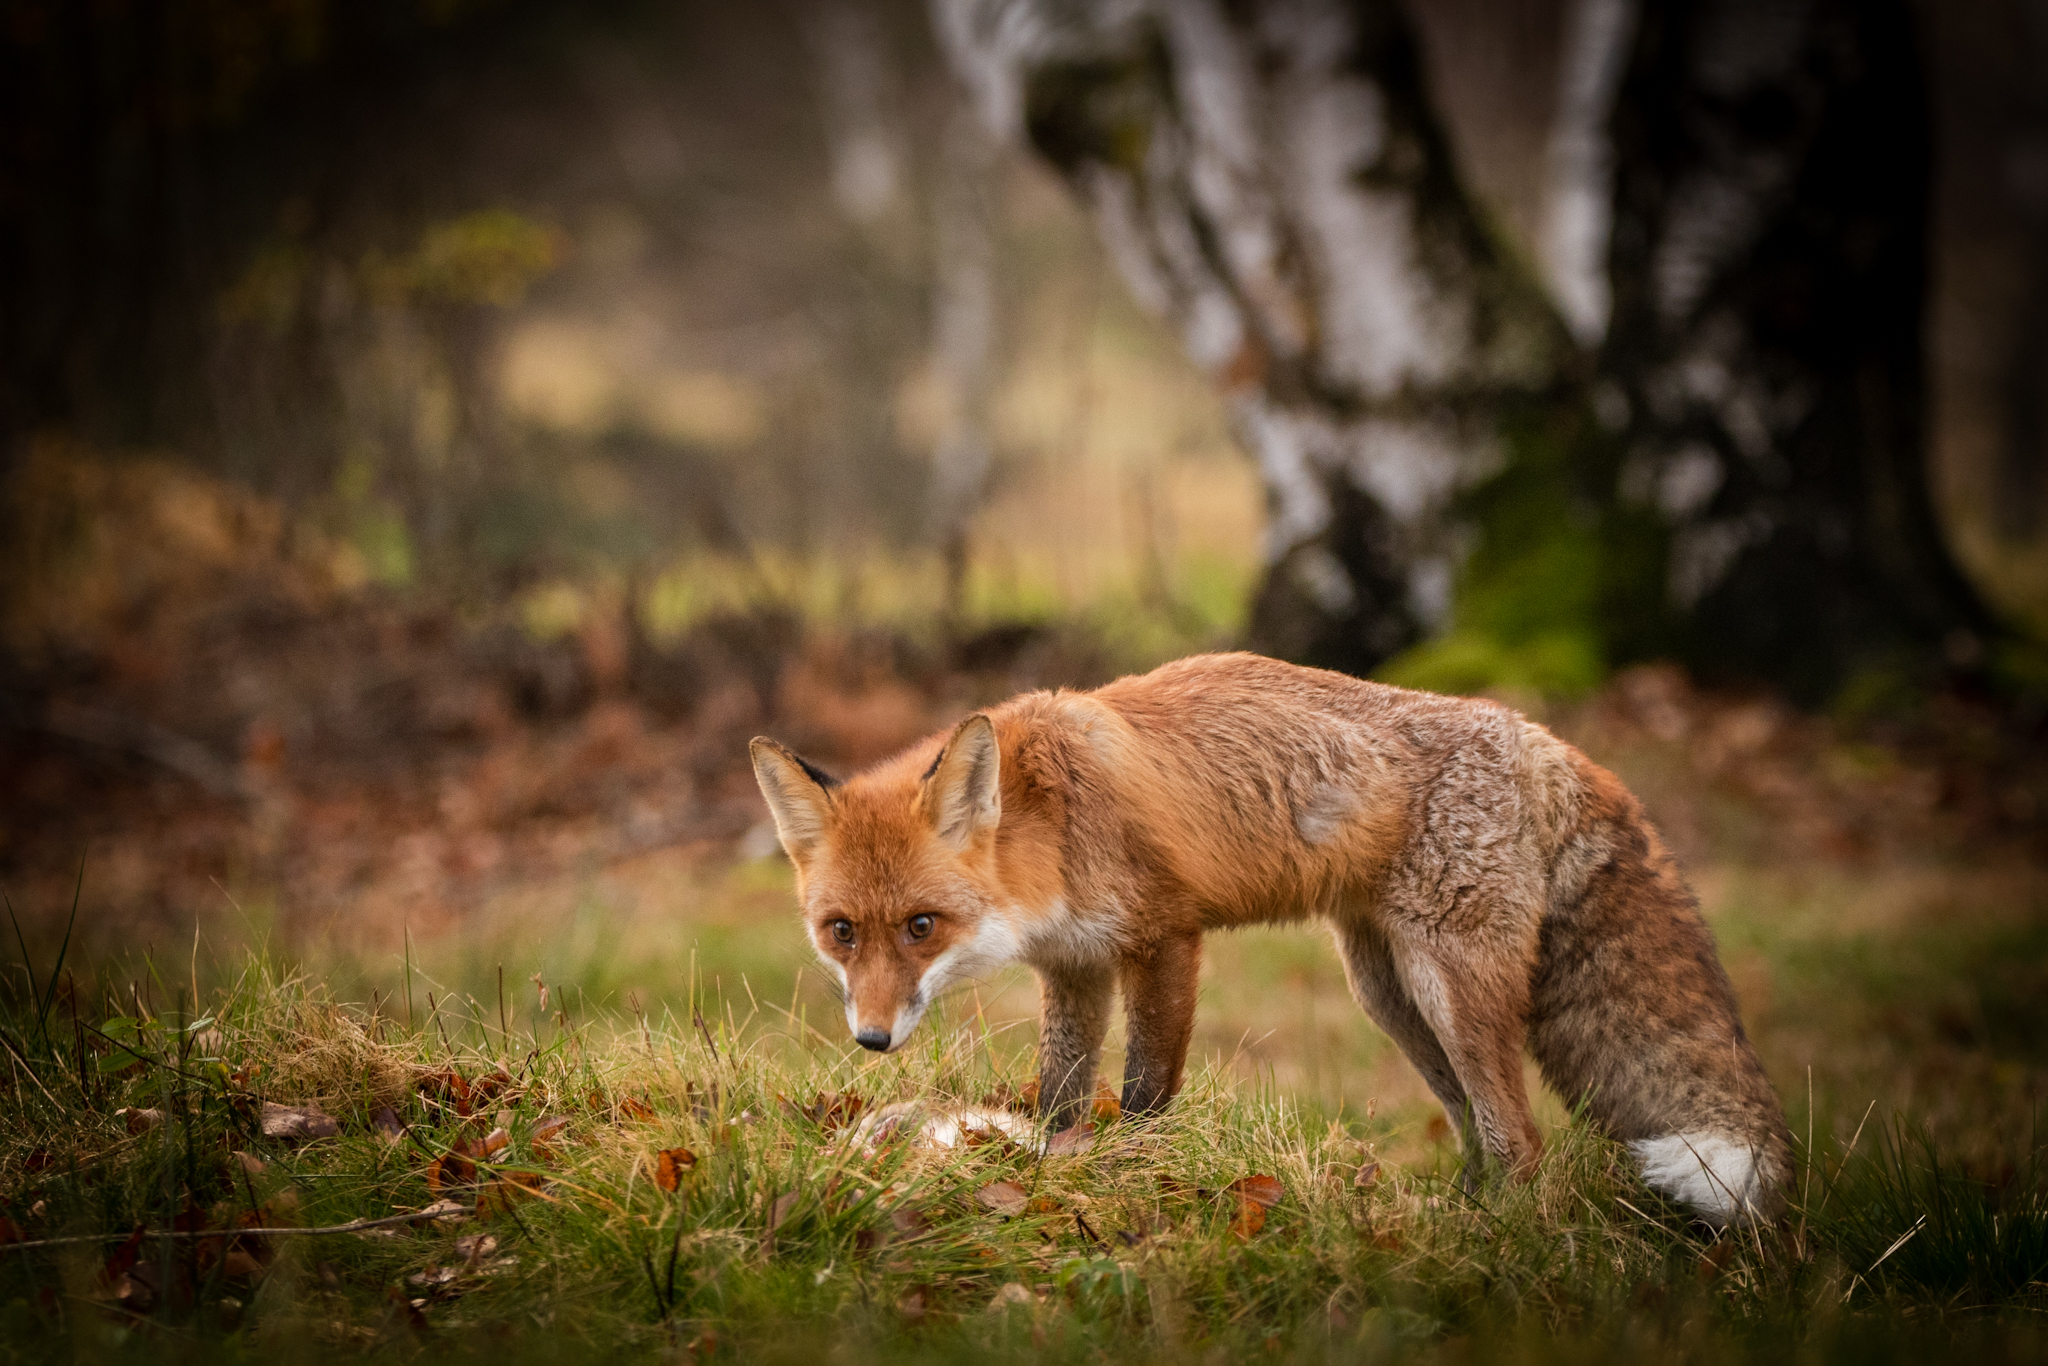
(1284, 209)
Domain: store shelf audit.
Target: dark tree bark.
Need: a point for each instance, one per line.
(1769, 274)
(1272, 180)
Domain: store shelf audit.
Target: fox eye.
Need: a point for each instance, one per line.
(842, 930)
(920, 926)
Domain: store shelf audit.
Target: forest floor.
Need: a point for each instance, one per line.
(339, 849)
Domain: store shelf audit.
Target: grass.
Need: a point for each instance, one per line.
(790, 1239)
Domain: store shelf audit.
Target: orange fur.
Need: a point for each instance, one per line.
(1489, 887)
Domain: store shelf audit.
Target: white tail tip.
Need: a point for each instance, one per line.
(1714, 1173)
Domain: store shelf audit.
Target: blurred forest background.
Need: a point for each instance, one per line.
(437, 433)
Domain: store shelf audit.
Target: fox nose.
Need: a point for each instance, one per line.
(873, 1037)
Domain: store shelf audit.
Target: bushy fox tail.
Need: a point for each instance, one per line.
(1633, 1017)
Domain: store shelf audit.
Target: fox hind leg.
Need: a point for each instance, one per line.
(1476, 1001)
(1369, 967)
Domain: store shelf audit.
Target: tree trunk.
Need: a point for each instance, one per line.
(1273, 182)
(1769, 274)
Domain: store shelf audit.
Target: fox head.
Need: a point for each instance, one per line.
(896, 874)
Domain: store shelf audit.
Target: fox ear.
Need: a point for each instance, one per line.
(799, 797)
(963, 793)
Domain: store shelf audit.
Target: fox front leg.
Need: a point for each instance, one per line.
(1073, 1017)
(1159, 1006)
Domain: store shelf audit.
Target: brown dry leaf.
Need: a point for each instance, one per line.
(1264, 1191)
(913, 1305)
(1386, 1240)
(507, 1190)
(388, 1125)
(548, 1137)
(1368, 1176)
(1107, 1107)
(1716, 1261)
(242, 1263)
(295, 1122)
(489, 1087)
(446, 1085)
(832, 1110)
(780, 1211)
(496, 1141)
(909, 1220)
(248, 1164)
(1071, 1142)
(671, 1165)
(634, 1108)
(1043, 1204)
(450, 1171)
(1003, 1197)
(1008, 1294)
(139, 1121)
(1251, 1217)
(1027, 1099)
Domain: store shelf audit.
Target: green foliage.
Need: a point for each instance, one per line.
(1560, 583)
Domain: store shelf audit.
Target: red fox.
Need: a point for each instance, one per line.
(1488, 887)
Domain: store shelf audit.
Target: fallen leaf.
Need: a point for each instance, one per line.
(489, 1086)
(1106, 1107)
(1386, 1240)
(122, 1258)
(1027, 1099)
(912, 1305)
(496, 1141)
(1003, 1197)
(671, 1165)
(548, 1136)
(1009, 1294)
(501, 1193)
(450, 1171)
(1251, 1217)
(139, 1121)
(780, 1211)
(1368, 1176)
(250, 1164)
(474, 1247)
(1071, 1142)
(632, 1107)
(434, 1277)
(1716, 1261)
(241, 1262)
(1261, 1190)
(446, 1085)
(296, 1122)
(1043, 1204)
(909, 1220)
(831, 1110)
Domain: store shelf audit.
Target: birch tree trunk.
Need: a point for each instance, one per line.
(1769, 275)
(1273, 182)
